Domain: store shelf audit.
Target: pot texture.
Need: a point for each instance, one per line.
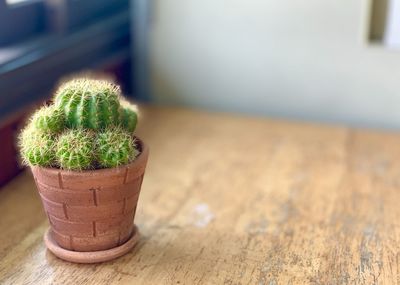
(92, 210)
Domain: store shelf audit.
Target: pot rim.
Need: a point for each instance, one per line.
(136, 162)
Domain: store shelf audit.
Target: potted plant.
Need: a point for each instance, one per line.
(88, 167)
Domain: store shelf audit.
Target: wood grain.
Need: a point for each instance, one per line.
(236, 200)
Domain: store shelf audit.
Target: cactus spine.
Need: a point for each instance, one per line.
(91, 104)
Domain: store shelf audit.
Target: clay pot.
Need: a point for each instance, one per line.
(92, 210)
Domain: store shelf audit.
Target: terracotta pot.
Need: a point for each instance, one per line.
(92, 210)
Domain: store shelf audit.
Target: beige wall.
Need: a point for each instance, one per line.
(306, 59)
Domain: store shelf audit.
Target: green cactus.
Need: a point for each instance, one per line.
(128, 116)
(48, 119)
(76, 150)
(37, 147)
(89, 103)
(115, 147)
(89, 126)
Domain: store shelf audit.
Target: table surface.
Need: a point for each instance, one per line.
(236, 200)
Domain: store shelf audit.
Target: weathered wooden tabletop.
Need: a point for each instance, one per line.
(235, 200)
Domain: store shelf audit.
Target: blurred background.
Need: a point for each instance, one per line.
(332, 61)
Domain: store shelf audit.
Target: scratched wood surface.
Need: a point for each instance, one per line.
(236, 200)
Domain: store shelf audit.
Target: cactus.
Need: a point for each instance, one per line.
(115, 147)
(128, 116)
(75, 149)
(37, 147)
(48, 119)
(89, 126)
(88, 103)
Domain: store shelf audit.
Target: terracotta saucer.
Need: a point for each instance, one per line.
(91, 256)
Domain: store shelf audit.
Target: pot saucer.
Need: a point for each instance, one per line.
(90, 256)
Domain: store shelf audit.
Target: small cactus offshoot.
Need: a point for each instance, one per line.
(89, 126)
(76, 149)
(37, 147)
(115, 147)
(48, 119)
(128, 116)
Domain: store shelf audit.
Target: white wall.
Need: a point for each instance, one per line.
(306, 59)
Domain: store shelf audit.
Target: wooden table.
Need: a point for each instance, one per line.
(236, 200)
